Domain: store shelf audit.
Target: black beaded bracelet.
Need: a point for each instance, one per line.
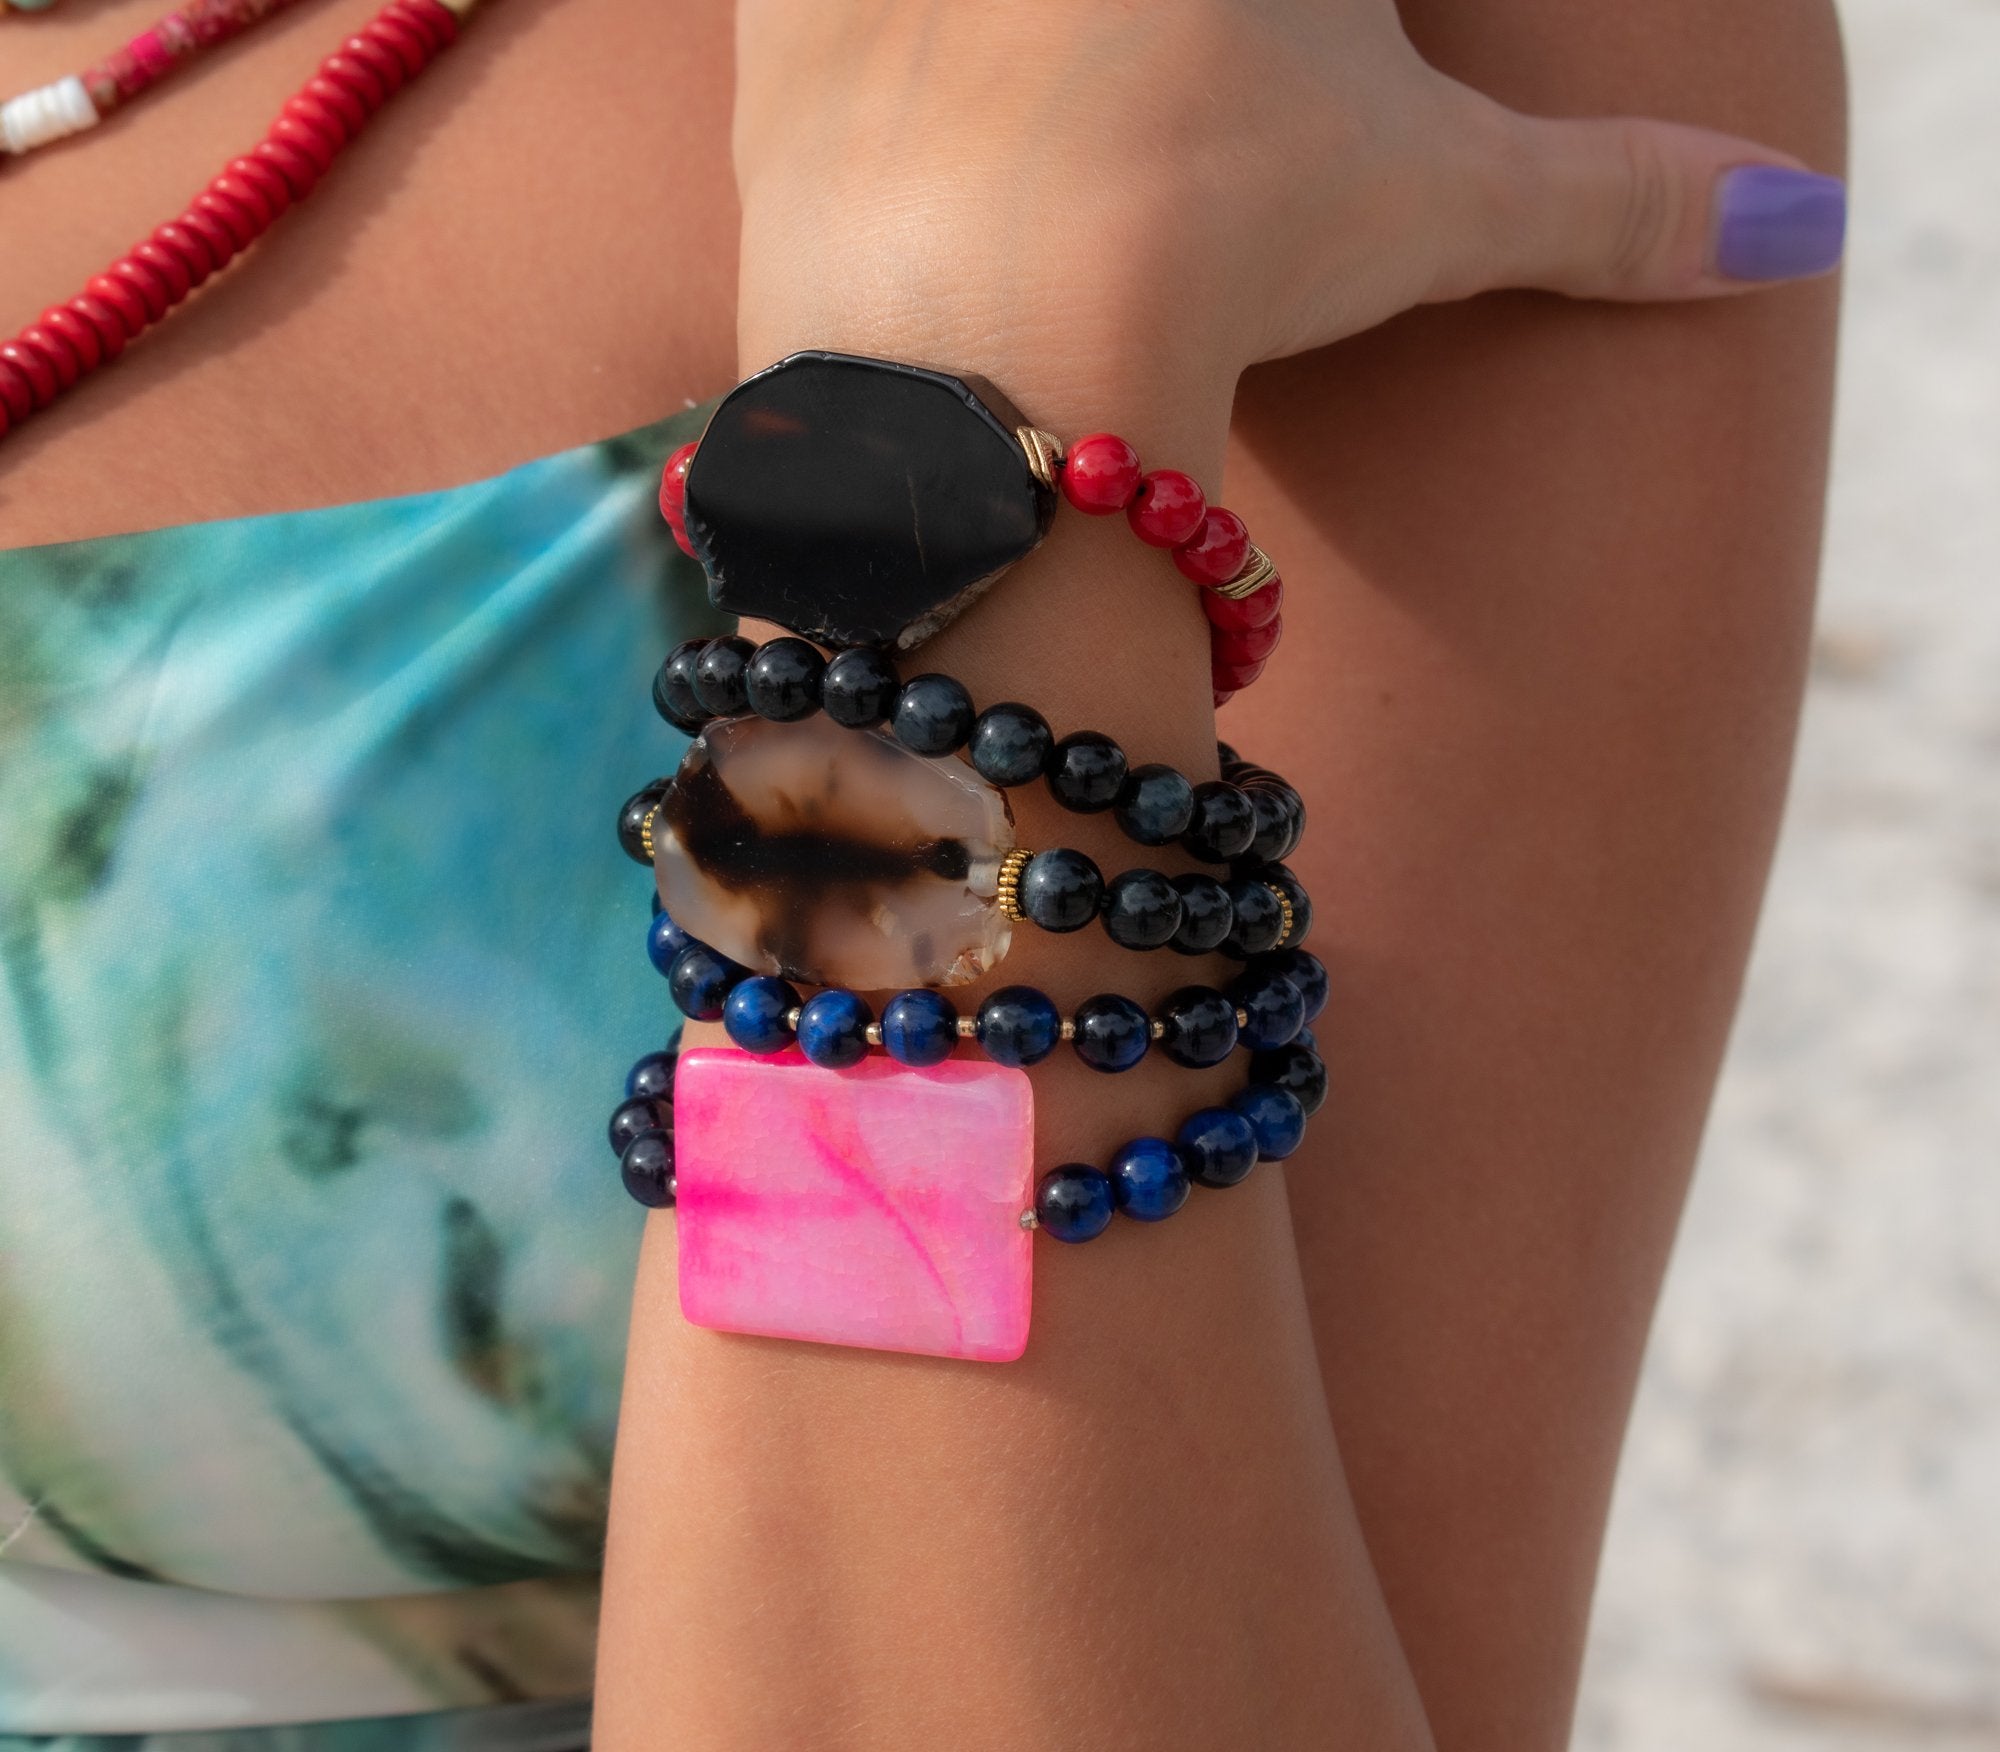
(1253, 813)
(1147, 1180)
(1197, 1026)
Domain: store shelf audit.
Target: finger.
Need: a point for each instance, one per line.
(1644, 210)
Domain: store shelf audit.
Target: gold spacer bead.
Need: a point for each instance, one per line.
(1009, 892)
(1158, 1030)
(1068, 1029)
(792, 1017)
(1044, 451)
(967, 1028)
(646, 833)
(1284, 912)
(872, 1034)
(1258, 571)
(1242, 1018)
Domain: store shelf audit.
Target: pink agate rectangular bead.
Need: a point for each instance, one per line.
(878, 1206)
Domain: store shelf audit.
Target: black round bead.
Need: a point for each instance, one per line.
(1222, 825)
(1061, 890)
(1272, 1008)
(718, 675)
(858, 688)
(1296, 1069)
(653, 1076)
(1112, 1032)
(1200, 1026)
(1307, 972)
(631, 1118)
(933, 715)
(647, 1168)
(1295, 806)
(1019, 1026)
(701, 981)
(1227, 757)
(1142, 910)
(632, 820)
(782, 681)
(1272, 816)
(1010, 744)
(1086, 772)
(674, 697)
(1156, 805)
(1206, 914)
(1260, 920)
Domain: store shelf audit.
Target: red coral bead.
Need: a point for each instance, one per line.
(1246, 644)
(1168, 508)
(673, 489)
(1218, 551)
(1100, 474)
(1227, 613)
(1223, 695)
(1233, 677)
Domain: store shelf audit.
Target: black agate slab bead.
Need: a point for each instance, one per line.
(860, 501)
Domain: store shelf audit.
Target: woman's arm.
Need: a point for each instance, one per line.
(1140, 1534)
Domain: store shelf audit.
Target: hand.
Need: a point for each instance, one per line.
(1101, 194)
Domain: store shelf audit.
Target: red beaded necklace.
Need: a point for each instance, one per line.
(69, 341)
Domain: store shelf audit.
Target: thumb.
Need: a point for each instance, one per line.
(1644, 210)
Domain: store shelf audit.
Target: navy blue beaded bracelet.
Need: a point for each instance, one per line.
(1248, 813)
(1197, 1026)
(1148, 1179)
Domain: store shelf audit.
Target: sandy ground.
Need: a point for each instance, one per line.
(1805, 1550)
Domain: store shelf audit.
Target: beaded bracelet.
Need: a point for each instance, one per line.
(1196, 1026)
(786, 680)
(1148, 1179)
(830, 464)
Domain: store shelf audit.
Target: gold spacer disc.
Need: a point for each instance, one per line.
(646, 833)
(1258, 571)
(1044, 451)
(1009, 890)
(1284, 912)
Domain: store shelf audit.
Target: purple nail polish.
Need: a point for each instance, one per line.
(1777, 224)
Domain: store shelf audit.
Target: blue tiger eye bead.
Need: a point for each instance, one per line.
(1155, 805)
(755, 1013)
(632, 1118)
(1206, 914)
(1086, 772)
(1271, 1003)
(1142, 910)
(1061, 889)
(653, 1077)
(933, 715)
(1298, 1070)
(833, 1029)
(718, 675)
(1306, 971)
(1112, 1032)
(1218, 1145)
(1200, 1026)
(1271, 818)
(701, 981)
(858, 688)
(1019, 1026)
(1149, 1179)
(1275, 1116)
(1222, 825)
(1259, 921)
(647, 1168)
(664, 940)
(919, 1028)
(1074, 1202)
(1010, 744)
(782, 681)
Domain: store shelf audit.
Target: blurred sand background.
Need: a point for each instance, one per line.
(1805, 1550)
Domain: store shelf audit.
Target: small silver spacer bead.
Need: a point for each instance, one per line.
(1030, 1221)
(872, 1034)
(792, 1017)
(967, 1028)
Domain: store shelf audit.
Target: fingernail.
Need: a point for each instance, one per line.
(1772, 223)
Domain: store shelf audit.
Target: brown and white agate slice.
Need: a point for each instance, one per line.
(834, 856)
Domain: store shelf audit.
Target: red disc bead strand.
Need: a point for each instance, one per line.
(69, 341)
(1101, 474)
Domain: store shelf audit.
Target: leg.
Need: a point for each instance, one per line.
(1552, 568)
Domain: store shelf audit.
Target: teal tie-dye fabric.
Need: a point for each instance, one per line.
(319, 970)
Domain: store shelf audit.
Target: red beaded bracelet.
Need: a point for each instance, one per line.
(1242, 593)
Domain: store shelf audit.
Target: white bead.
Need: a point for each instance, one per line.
(47, 113)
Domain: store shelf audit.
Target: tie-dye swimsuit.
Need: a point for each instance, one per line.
(318, 966)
